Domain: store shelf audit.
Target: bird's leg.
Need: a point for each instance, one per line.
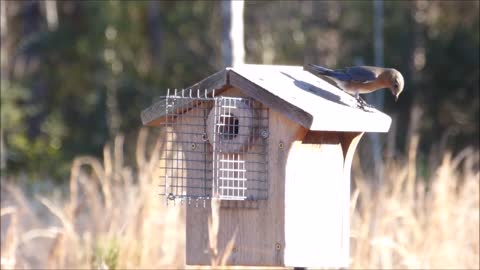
(361, 103)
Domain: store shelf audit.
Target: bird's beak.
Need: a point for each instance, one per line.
(396, 98)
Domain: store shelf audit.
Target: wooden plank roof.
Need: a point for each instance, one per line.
(298, 94)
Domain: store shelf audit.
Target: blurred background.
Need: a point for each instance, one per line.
(75, 76)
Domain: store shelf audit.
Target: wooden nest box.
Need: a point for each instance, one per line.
(275, 145)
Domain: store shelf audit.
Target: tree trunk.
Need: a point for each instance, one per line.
(30, 64)
(114, 66)
(377, 98)
(4, 73)
(155, 32)
(417, 63)
(113, 112)
(323, 40)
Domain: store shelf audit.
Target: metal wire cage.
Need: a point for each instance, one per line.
(215, 147)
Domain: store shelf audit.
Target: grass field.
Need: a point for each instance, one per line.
(110, 216)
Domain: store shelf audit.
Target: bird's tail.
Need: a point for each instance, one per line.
(319, 70)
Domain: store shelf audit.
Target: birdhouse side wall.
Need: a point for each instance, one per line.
(314, 202)
(317, 200)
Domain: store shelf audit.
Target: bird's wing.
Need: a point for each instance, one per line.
(360, 74)
(335, 74)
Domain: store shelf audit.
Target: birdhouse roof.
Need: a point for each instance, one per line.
(298, 94)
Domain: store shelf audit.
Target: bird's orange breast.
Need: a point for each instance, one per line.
(365, 87)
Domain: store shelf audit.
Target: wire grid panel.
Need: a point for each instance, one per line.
(186, 164)
(240, 163)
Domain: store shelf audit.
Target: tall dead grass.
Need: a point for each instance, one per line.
(433, 225)
(113, 218)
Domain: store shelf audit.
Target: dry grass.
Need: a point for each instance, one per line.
(433, 225)
(113, 217)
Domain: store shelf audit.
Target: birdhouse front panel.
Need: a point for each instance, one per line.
(256, 228)
(273, 145)
(186, 164)
(237, 130)
(214, 147)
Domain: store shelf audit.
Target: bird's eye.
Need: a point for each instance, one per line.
(396, 85)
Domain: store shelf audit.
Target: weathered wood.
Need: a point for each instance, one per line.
(349, 141)
(298, 94)
(328, 107)
(314, 129)
(313, 177)
(260, 232)
(322, 137)
(266, 97)
(308, 170)
(154, 115)
(197, 220)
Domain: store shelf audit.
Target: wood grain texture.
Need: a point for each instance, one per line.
(329, 108)
(305, 221)
(270, 100)
(322, 137)
(302, 97)
(259, 232)
(200, 220)
(349, 141)
(314, 131)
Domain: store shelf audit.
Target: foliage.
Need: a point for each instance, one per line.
(89, 78)
(106, 254)
(31, 155)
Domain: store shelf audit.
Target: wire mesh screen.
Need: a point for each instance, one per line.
(214, 147)
(239, 149)
(186, 164)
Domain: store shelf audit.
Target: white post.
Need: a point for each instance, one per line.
(233, 33)
(51, 14)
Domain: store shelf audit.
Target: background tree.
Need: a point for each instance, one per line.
(76, 73)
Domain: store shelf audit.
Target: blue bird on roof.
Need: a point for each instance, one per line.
(362, 79)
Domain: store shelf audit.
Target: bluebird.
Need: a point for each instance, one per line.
(363, 79)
